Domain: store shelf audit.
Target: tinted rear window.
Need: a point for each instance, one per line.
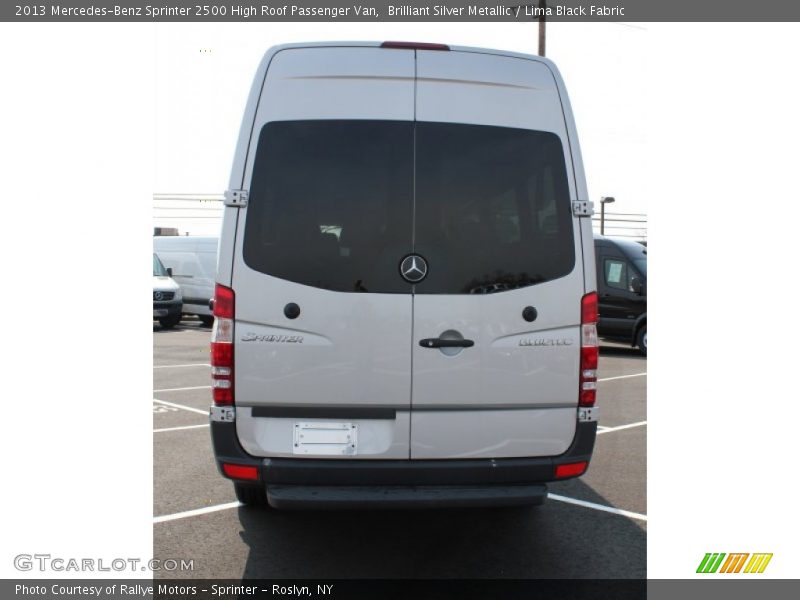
(331, 204)
(493, 211)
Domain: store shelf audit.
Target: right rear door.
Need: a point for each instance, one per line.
(493, 221)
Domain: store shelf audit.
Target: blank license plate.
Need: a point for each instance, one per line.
(160, 312)
(326, 439)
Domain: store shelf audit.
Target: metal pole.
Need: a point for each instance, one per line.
(602, 217)
(542, 6)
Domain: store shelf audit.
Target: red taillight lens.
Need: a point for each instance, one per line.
(224, 302)
(589, 308)
(221, 356)
(587, 394)
(414, 46)
(240, 471)
(571, 469)
(222, 345)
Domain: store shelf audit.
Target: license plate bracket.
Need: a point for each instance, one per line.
(325, 438)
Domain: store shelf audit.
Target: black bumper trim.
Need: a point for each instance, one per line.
(324, 412)
(394, 497)
(198, 301)
(368, 472)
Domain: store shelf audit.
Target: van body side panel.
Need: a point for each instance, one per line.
(349, 346)
(514, 392)
(582, 192)
(230, 214)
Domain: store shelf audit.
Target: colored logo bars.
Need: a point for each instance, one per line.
(733, 563)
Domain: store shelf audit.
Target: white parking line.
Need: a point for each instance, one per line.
(197, 387)
(181, 366)
(620, 427)
(623, 376)
(180, 428)
(610, 509)
(189, 408)
(195, 512)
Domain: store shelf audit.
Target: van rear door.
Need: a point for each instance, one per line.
(493, 221)
(323, 319)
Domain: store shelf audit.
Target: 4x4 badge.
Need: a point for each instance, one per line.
(413, 268)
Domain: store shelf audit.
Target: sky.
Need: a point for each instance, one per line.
(204, 73)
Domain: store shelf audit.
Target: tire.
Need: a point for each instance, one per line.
(207, 320)
(641, 340)
(250, 495)
(170, 321)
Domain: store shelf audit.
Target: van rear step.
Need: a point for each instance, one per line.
(330, 497)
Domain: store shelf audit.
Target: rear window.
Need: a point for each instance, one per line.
(493, 211)
(331, 204)
(338, 204)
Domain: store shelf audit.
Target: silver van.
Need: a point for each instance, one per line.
(405, 297)
(167, 299)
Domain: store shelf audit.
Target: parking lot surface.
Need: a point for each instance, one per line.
(592, 527)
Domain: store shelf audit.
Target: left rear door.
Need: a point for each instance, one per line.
(329, 218)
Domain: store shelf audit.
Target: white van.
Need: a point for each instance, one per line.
(167, 299)
(405, 302)
(193, 261)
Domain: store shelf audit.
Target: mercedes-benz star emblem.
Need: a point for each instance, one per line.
(413, 268)
(158, 296)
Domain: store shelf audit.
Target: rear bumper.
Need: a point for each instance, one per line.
(298, 497)
(306, 483)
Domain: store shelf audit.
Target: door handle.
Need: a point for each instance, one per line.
(440, 343)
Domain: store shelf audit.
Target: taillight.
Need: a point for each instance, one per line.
(222, 346)
(414, 46)
(589, 351)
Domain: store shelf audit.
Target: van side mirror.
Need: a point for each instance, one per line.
(636, 286)
(169, 271)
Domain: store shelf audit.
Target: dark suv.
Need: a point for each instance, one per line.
(622, 290)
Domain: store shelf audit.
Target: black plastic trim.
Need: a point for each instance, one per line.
(227, 448)
(324, 412)
(200, 301)
(172, 308)
(393, 497)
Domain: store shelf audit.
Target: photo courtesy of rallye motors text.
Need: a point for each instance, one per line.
(73, 590)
